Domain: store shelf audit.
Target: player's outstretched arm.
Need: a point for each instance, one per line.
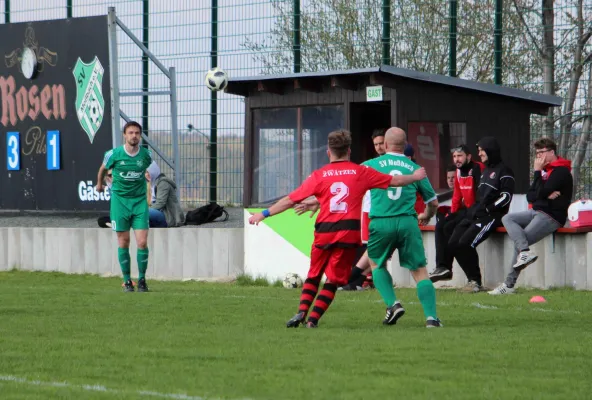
(100, 177)
(277, 208)
(404, 180)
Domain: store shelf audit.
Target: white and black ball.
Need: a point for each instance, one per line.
(216, 79)
(292, 281)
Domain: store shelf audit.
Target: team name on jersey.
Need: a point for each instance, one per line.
(332, 172)
(396, 163)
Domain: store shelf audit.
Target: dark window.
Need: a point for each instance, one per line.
(290, 143)
(432, 142)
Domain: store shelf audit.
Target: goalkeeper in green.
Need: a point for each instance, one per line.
(129, 207)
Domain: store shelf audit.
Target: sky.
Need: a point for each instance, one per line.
(179, 36)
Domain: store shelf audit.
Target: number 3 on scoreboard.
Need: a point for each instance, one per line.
(13, 151)
(53, 150)
(339, 191)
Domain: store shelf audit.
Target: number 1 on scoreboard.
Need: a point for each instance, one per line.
(53, 150)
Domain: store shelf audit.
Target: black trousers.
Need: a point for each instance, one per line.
(467, 235)
(444, 227)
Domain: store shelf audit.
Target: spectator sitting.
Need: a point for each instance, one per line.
(450, 177)
(165, 210)
(105, 220)
(550, 196)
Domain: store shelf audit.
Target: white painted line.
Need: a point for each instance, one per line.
(97, 388)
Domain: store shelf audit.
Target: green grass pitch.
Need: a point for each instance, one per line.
(80, 337)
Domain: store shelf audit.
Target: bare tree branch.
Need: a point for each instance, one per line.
(532, 38)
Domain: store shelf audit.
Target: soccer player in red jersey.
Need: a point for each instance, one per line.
(339, 188)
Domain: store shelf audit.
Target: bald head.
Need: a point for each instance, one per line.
(395, 140)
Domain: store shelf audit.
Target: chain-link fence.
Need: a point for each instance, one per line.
(542, 45)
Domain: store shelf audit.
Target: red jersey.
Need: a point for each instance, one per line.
(420, 205)
(339, 187)
(465, 185)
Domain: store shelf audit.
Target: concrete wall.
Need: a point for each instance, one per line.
(210, 253)
(565, 260)
(174, 253)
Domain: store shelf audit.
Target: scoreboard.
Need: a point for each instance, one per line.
(55, 113)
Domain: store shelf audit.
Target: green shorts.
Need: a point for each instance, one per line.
(129, 213)
(397, 233)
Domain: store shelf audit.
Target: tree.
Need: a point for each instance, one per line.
(564, 59)
(343, 34)
(538, 54)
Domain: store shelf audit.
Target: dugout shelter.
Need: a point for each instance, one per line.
(288, 118)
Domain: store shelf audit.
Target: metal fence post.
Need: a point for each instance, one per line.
(114, 74)
(214, 108)
(497, 34)
(145, 66)
(296, 37)
(7, 11)
(452, 14)
(174, 129)
(68, 8)
(386, 32)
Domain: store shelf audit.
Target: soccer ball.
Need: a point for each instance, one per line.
(216, 79)
(292, 281)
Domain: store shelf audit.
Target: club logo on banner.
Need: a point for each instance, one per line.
(90, 104)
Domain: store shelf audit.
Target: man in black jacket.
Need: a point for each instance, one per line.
(465, 183)
(494, 195)
(550, 196)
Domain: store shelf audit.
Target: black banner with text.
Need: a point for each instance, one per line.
(55, 113)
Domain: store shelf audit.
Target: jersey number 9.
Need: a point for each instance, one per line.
(395, 193)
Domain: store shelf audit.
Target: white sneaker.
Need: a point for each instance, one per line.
(524, 259)
(502, 289)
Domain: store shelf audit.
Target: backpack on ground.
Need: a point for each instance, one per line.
(208, 213)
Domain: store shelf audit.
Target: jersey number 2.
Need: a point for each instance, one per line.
(395, 193)
(339, 191)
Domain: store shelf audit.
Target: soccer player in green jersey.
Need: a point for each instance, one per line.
(394, 226)
(129, 207)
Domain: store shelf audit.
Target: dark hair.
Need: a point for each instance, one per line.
(451, 168)
(339, 142)
(409, 151)
(132, 123)
(462, 147)
(545, 143)
(377, 133)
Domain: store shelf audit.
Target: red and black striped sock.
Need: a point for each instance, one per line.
(309, 291)
(322, 302)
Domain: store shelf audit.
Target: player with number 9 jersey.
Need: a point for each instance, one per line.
(397, 201)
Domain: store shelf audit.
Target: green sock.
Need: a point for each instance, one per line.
(123, 256)
(142, 263)
(383, 281)
(427, 297)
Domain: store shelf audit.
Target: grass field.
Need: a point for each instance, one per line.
(72, 337)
